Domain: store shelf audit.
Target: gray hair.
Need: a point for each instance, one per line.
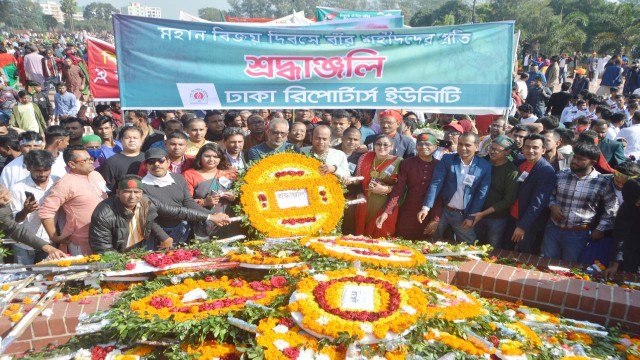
(274, 122)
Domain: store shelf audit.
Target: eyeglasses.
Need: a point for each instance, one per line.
(384, 146)
(278, 133)
(453, 133)
(153, 161)
(84, 161)
(496, 126)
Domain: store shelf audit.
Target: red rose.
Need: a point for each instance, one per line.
(237, 283)
(209, 278)
(259, 286)
(495, 341)
(286, 322)
(130, 266)
(278, 282)
(291, 353)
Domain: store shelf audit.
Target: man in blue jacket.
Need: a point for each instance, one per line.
(537, 180)
(462, 180)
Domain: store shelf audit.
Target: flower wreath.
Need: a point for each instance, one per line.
(226, 295)
(282, 339)
(375, 252)
(451, 303)
(74, 260)
(283, 172)
(254, 254)
(318, 304)
(212, 349)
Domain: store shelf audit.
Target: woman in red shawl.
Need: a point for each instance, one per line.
(380, 171)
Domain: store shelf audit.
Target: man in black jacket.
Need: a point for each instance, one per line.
(128, 220)
(19, 233)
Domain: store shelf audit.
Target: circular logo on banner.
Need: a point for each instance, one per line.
(198, 96)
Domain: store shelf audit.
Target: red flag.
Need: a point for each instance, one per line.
(103, 70)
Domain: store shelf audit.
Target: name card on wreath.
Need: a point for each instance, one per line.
(292, 198)
(356, 297)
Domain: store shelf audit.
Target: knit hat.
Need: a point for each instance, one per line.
(91, 138)
(130, 183)
(504, 141)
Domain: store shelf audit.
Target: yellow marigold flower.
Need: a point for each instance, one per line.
(27, 301)
(15, 317)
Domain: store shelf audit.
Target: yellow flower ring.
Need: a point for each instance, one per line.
(167, 302)
(211, 349)
(451, 303)
(284, 195)
(283, 340)
(377, 252)
(256, 256)
(323, 304)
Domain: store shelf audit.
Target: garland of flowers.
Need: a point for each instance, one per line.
(377, 252)
(287, 171)
(458, 343)
(226, 295)
(255, 255)
(398, 304)
(282, 339)
(72, 260)
(212, 349)
(451, 303)
(162, 260)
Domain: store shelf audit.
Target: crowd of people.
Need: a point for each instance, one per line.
(558, 177)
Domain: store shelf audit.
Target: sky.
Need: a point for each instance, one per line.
(170, 8)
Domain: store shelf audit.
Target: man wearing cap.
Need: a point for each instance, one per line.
(27, 116)
(168, 188)
(462, 181)
(452, 133)
(41, 99)
(414, 179)
(491, 222)
(129, 219)
(390, 120)
(580, 82)
(93, 144)
(77, 194)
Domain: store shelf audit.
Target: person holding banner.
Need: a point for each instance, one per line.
(380, 171)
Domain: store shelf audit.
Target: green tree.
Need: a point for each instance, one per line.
(450, 13)
(211, 14)
(49, 22)
(24, 15)
(68, 8)
(99, 10)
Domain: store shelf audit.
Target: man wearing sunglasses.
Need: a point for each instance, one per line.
(276, 141)
(171, 189)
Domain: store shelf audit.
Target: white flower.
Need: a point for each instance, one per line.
(322, 357)
(322, 320)
(280, 329)
(320, 277)
(405, 284)
(366, 327)
(47, 312)
(361, 273)
(409, 310)
(112, 355)
(300, 296)
(82, 354)
(281, 345)
(306, 354)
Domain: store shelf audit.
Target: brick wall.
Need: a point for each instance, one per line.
(574, 298)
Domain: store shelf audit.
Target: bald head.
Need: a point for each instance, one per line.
(321, 139)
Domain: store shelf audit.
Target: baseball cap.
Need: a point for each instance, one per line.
(155, 153)
(456, 127)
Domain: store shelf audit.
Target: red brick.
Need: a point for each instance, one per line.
(559, 292)
(620, 301)
(545, 287)
(587, 302)
(462, 279)
(56, 340)
(475, 281)
(604, 300)
(468, 266)
(633, 314)
(573, 293)
(18, 347)
(502, 279)
(40, 327)
(91, 305)
(71, 323)
(490, 276)
(443, 275)
(56, 325)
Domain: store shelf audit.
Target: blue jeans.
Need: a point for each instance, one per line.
(179, 233)
(563, 244)
(455, 219)
(492, 231)
(27, 257)
(50, 82)
(5, 115)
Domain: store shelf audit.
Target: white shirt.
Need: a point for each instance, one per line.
(32, 222)
(523, 91)
(612, 132)
(632, 135)
(335, 158)
(457, 201)
(530, 120)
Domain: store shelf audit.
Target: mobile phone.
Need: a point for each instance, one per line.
(444, 143)
(30, 196)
